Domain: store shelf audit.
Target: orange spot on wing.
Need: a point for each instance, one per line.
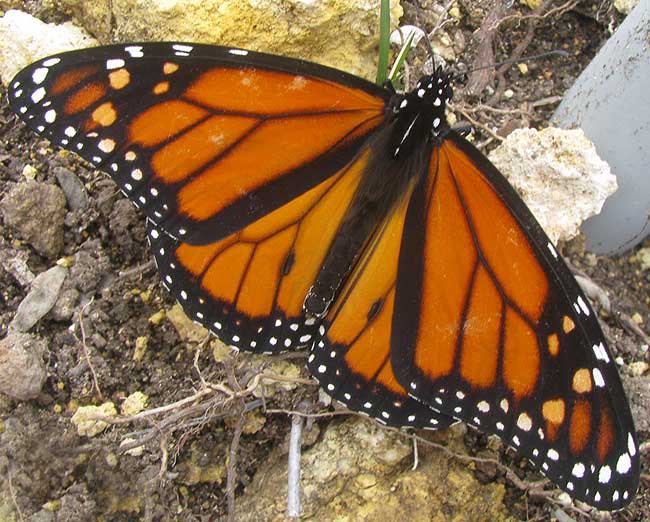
(450, 257)
(163, 121)
(119, 78)
(553, 344)
(567, 324)
(161, 88)
(502, 240)
(582, 381)
(84, 98)
(480, 348)
(172, 163)
(273, 149)
(553, 412)
(170, 68)
(580, 426)
(275, 92)
(521, 357)
(104, 115)
(605, 434)
(72, 78)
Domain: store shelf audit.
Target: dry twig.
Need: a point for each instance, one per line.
(476, 123)
(231, 478)
(443, 19)
(294, 508)
(485, 52)
(14, 500)
(537, 15)
(84, 347)
(137, 270)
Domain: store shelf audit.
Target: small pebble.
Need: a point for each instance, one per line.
(157, 318)
(22, 371)
(29, 172)
(140, 348)
(111, 459)
(73, 188)
(86, 423)
(638, 368)
(41, 298)
(134, 403)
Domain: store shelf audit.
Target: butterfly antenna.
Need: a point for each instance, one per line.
(530, 58)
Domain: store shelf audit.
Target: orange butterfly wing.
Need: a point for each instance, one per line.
(249, 287)
(204, 139)
(491, 328)
(352, 361)
(475, 315)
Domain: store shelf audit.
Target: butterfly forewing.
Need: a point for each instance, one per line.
(204, 139)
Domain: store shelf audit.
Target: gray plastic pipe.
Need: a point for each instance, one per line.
(611, 102)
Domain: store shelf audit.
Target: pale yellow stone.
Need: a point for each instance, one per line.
(203, 467)
(220, 351)
(157, 318)
(85, 421)
(638, 368)
(643, 257)
(29, 172)
(188, 330)
(134, 403)
(52, 505)
(66, 261)
(111, 459)
(141, 344)
(531, 4)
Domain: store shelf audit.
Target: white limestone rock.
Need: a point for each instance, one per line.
(559, 176)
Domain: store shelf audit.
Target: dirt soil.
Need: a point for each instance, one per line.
(124, 344)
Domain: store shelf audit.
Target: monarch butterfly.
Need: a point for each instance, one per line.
(291, 205)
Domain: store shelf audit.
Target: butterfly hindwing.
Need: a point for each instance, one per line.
(204, 139)
(249, 287)
(491, 328)
(351, 356)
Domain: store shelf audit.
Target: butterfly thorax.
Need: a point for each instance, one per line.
(420, 113)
